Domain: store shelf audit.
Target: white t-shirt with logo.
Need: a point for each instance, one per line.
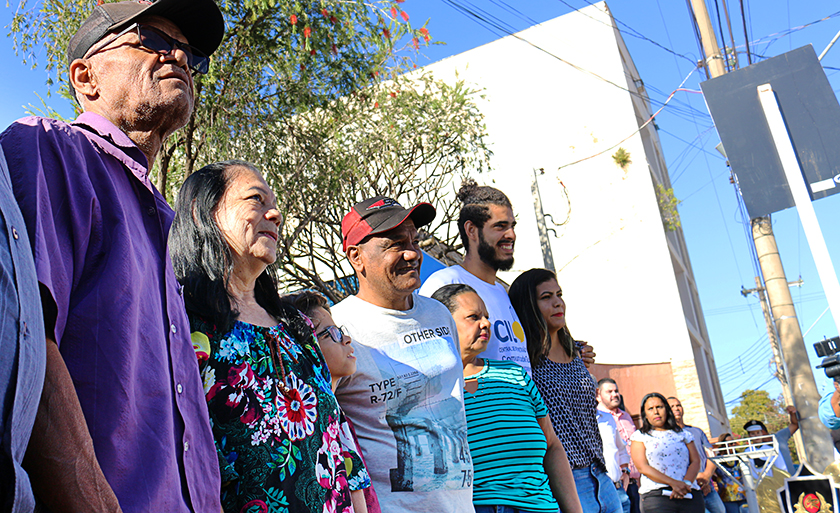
(507, 338)
(406, 402)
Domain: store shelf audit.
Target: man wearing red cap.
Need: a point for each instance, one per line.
(122, 421)
(406, 397)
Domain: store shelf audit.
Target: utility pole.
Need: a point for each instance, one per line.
(781, 371)
(816, 440)
(713, 59)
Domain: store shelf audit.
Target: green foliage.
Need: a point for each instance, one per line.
(410, 139)
(314, 93)
(668, 207)
(758, 405)
(622, 158)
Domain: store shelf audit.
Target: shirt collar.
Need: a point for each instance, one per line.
(115, 142)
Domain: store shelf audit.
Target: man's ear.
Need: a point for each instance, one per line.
(82, 78)
(354, 255)
(471, 230)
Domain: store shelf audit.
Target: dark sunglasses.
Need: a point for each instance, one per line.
(153, 39)
(336, 333)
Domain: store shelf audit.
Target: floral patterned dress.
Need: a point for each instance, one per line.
(281, 448)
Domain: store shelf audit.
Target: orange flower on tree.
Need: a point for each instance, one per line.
(307, 31)
(394, 12)
(404, 15)
(293, 19)
(425, 33)
(386, 33)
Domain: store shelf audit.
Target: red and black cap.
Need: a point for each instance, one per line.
(378, 215)
(200, 21)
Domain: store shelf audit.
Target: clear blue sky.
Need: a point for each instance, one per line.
(716, 232)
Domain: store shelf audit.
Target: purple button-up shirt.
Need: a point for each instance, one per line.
(99, 229)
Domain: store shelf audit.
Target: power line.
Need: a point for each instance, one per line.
(486, 20)
(633, 32)
(805, 298)
(641, 127)
(737, 360)
(759, 387)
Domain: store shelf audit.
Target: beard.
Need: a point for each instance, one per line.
(487, 254)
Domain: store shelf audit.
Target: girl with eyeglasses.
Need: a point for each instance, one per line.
(338, 353)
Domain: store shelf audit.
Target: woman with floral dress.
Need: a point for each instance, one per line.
(276, 423)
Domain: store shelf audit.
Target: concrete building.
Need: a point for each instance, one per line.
(560, 100)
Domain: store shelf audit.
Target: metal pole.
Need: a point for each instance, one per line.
(802, 199)
(749, 486)
(827, 48)
(545, 243)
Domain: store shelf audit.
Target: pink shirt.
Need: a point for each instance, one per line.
(626, 427)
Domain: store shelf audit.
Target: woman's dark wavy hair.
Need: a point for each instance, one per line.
(523, 297)
(670, 420)
(203, 261)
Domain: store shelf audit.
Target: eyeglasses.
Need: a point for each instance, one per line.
(336, 333)
(159, 42)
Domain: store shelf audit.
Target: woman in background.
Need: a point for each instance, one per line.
(668, 460)
(274, 417)
(730, 490)
(566, 386)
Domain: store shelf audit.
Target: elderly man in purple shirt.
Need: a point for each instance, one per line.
(122, 423)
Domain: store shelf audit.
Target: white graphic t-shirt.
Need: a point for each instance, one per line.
(406, 402)
(507, 338)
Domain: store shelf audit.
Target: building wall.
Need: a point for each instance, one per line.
(555, 114)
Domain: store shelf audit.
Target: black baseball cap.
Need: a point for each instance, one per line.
(753, 424)
(200, 21)
(378, 215)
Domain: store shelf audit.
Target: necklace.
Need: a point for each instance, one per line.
(275, 344)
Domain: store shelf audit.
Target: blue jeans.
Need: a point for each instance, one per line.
(736, 507)
(596, 491)
(623, 498)
(713, 502)
(499, 509)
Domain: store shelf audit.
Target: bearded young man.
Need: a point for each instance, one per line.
(486, 225)
(122, 422)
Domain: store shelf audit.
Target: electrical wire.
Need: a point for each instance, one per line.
(642, 126)
(737, 360)
(722, 38)
(806, 298)
(486, 20)
(759, 374)
(759, 387)
(632, 32)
